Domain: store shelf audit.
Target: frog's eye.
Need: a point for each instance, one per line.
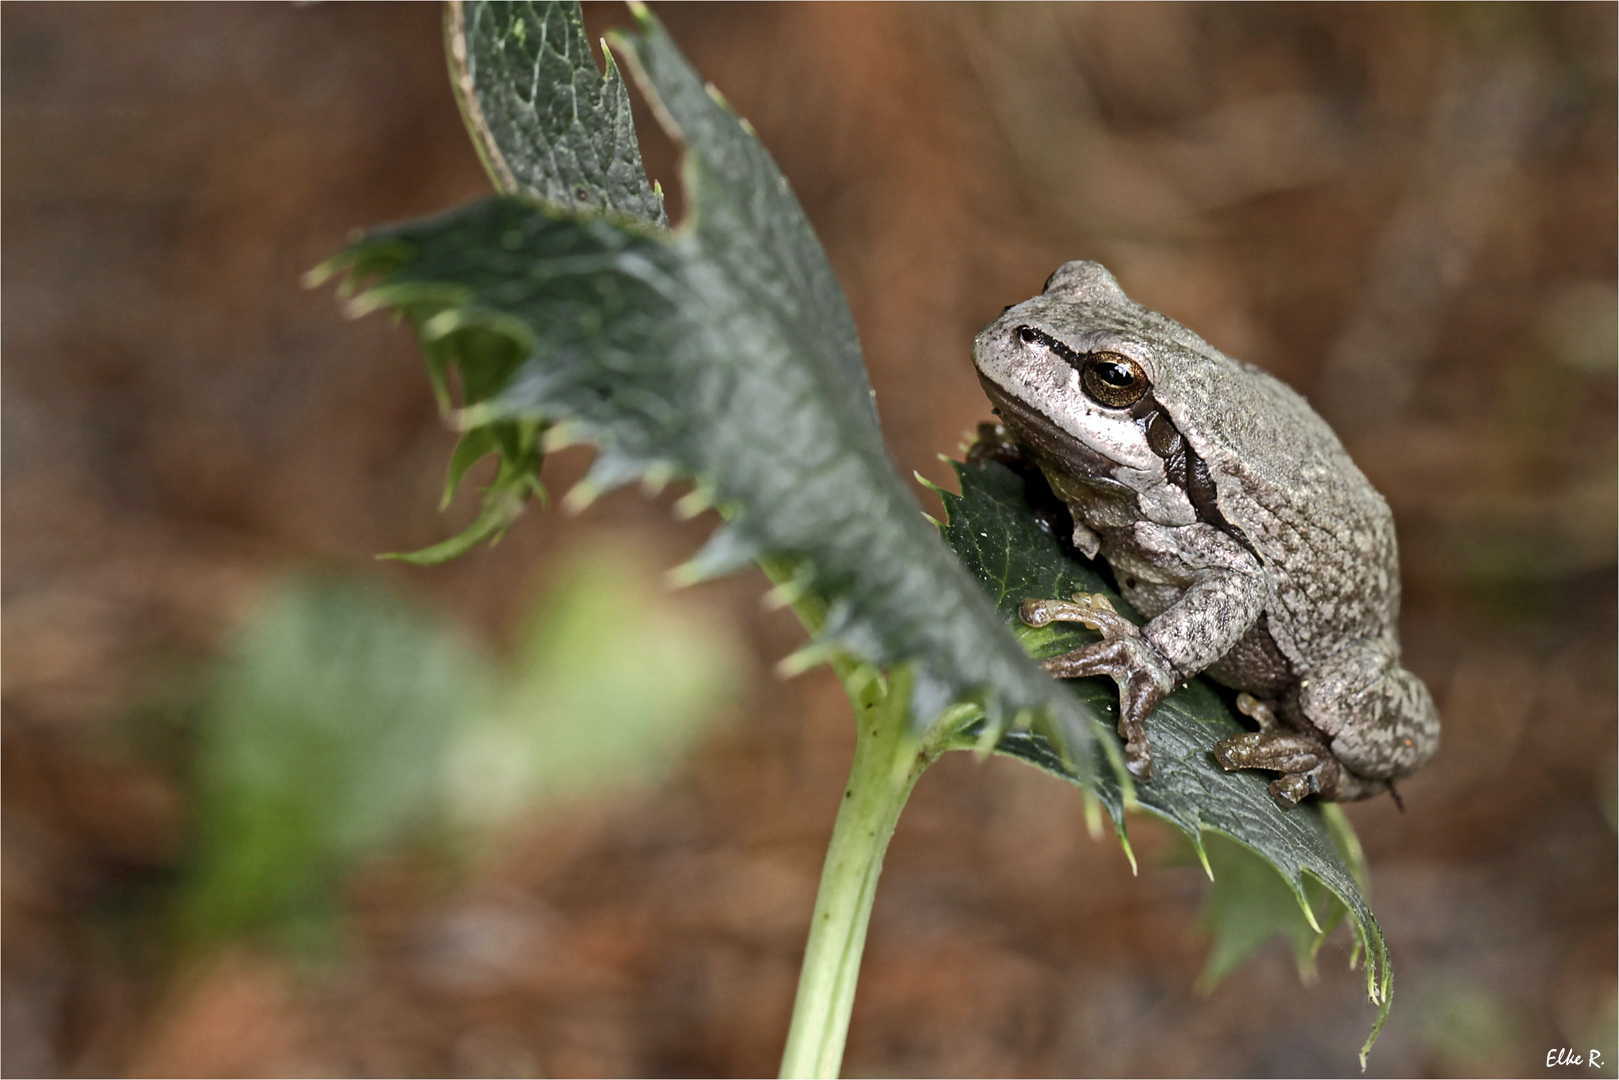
(1113, 379)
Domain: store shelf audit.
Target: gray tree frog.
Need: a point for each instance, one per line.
(1232, 517)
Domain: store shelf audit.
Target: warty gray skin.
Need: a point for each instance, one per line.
(1233, 518)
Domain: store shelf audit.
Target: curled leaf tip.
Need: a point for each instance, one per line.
(987, 739)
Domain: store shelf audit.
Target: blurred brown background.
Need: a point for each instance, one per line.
(1407, 212)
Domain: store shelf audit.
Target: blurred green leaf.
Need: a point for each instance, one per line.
(611, 683)
(1249, 904)
(1307, 856)
(346, 722)
(321, 742)
(1469, 1028)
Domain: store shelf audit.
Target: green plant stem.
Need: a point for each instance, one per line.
(888, 759)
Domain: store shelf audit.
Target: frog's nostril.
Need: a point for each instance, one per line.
(1028, 335)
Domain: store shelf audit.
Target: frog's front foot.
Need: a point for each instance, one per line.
(1307, 766)
(995, 443)
(1123, 654)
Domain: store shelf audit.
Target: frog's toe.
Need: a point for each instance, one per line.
(1233, 754)
(1091, 609)
(1259, 711)
(1291, 789)
(1036, 613)
(1281, 751)
(1138, 758)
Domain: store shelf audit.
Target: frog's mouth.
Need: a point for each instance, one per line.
(1051, 445)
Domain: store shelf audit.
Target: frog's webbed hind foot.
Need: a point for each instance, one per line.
(1307, 766)
(1123, 654)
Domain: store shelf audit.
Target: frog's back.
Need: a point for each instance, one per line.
(1323, 533)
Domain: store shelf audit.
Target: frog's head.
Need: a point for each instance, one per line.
(1072, 371)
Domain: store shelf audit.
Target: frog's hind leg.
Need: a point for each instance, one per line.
(1380, 717)
(1376, 721)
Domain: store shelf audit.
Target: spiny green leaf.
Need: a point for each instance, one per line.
(724, 353)
(994, 530)
(548, 125)
(546, 122)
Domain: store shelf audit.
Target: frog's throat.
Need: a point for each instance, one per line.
(1053, 446)
(1050, 444)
